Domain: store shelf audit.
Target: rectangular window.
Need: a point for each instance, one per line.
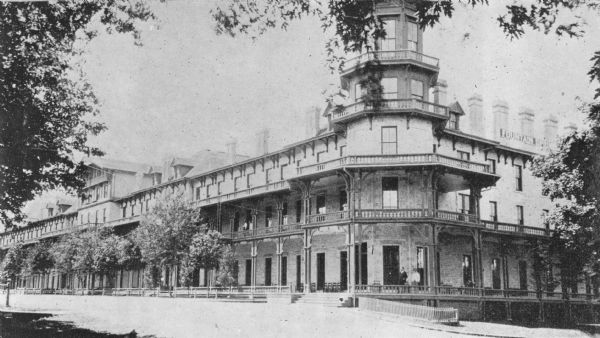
(413, 36)
(249, 180)
(545, 213)
(236, 183)
(467, 267)
(103, 215)
(219, 188)
(268, 271)
(389, 186)
(284, 270)
(492, 164)
(389, 140)
(342, 151)
(105, 190)
(416, 89)
(284, 213)
(496, 273)
(248, 272)
(493, 211)
(197, 193)
(268, 174)
(248, 221)
(298, 211)
(520, 219)
(299, 273)
(321, 207)
(268, 216)
(389, 42)
(123, 209)
(453, 121)
(236, 221)
(421, 265)
(147, 205)
(464, 203)
(519, 177)
(208, 186)
(464, 155)
(96, 219)
(282, 171)
(391, 265)
(343, 200)
(358, 92)
(523, 275)
(390, 88)
(320, 156)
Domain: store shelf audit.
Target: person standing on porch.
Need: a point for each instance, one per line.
(403, 276)
(415, 277)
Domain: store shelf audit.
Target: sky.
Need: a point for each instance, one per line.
(188, 89)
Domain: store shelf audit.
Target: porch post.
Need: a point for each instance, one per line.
(254, 253)
(434, 278)
(351, 261)
(477, 260)
(279, 253)
(307, 259)
(279, 207)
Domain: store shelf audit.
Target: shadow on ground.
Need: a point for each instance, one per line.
(40, 325)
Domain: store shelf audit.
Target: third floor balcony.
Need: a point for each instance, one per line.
(393, 57)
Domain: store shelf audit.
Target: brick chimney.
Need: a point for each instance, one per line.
(262, 142)
(500, 117)
(570, 128)
(526, 118)
(440, 93)
(550, 128)
(476, 115)
(312, 116)
(231, 150)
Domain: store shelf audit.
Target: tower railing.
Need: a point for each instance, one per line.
(392, 106)
(392, 55)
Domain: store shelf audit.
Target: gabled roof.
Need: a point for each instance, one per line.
(456, 108)
(105, 163)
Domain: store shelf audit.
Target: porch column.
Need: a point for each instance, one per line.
(307, 259)
(254, 253)
(279, 253)
(254, 220)
(351, 261)
(279, 208)
(433, 262)
(477, 261)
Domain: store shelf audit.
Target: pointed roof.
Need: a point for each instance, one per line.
(456, 108)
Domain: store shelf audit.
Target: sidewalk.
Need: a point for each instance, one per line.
(169, 317)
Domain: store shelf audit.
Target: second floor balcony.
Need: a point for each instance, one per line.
(390, 106)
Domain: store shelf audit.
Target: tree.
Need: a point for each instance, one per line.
(47, 107)
(165, 235)
(205, 253)
(227, 275)
(38, 259)
(570, 175)
(12, 264)
(92, 251)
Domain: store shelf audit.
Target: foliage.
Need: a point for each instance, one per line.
(166, 233)
(205, 252)
(47, 107)
(356, 26)
(227, 275)
(13, 261)
(95, 250)
(570, 175)
(38, 258)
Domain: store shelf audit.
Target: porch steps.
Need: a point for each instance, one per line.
(324, 299)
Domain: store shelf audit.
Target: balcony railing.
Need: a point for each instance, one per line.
(262, 232)
(378, 160)
(328, 217)
(516, 228)
(393, 214)
(394, 56)
(275, 186)
(392, 106)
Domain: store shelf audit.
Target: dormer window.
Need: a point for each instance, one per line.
(453, 122)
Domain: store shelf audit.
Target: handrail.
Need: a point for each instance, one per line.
(393, 159)
(391, 105)
(392, 55)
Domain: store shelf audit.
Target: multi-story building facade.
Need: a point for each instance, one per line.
(411, 183)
